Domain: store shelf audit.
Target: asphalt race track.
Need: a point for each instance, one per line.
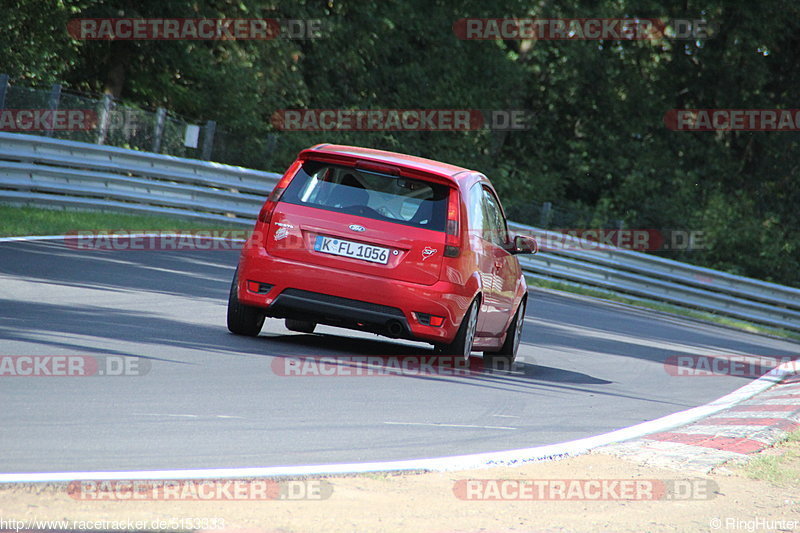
(211, 399)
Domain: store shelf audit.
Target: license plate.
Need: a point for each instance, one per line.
(356, 250)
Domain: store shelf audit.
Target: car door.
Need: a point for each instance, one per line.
(484, 255)
(504, 266)
(488, 240)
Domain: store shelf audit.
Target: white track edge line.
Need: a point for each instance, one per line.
(440, 464)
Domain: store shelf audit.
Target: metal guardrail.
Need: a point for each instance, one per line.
(46, 171)
(685, 286)
(42, 170)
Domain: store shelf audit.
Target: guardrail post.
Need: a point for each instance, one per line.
(3, 89)
(161, 115)
(208, 139)
(272, 143)
(55, 98)
(102, 128)
(544, 217)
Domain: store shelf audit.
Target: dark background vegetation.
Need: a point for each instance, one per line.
(597, 147)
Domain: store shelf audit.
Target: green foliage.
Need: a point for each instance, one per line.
(34, 41)
(597, 146)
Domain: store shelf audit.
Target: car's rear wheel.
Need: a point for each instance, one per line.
(505, 358)
(243, 319)
(301, 326)
(462, 344)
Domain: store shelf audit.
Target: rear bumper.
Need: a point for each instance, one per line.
(352, 300)
(337, 311)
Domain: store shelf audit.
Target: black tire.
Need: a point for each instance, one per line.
(462, 344)
(243, 319)
(504, 359)
(301, 326)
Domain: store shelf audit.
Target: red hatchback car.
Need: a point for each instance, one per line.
(393, 244)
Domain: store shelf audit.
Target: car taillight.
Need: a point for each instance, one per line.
(452, 244)
(265, 214)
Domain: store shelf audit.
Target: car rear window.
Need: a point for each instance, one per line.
(407, 201)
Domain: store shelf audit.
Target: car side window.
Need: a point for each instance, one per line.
(486, 217)
(495, 228)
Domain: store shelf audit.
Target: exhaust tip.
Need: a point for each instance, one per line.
(394, 328)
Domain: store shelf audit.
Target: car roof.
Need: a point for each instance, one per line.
(393, 158)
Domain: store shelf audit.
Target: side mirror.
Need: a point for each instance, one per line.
(524, 244)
